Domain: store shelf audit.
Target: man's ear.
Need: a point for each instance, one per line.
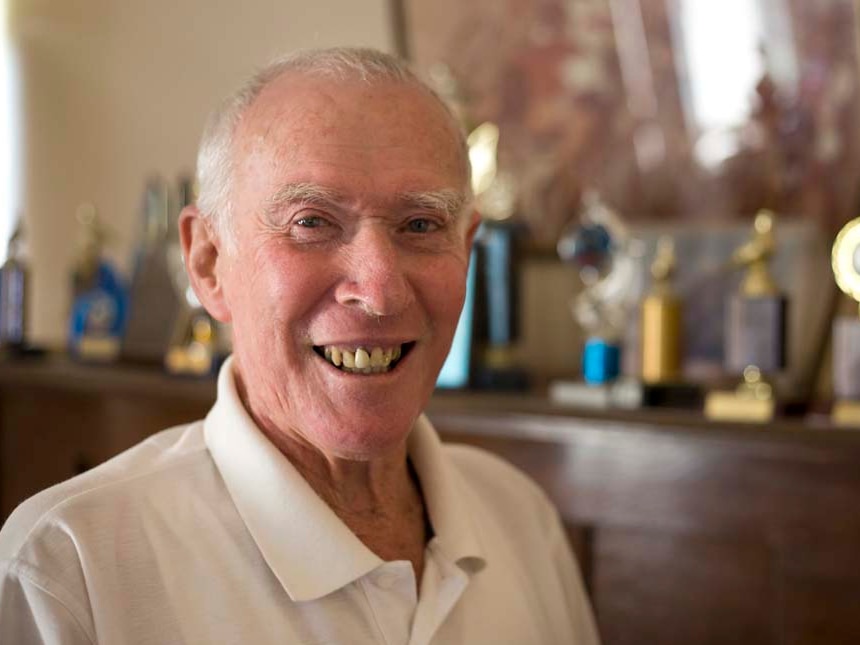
(201, 250)
(472, 229)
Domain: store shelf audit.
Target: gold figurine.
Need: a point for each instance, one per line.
(755, 330)
(755, 255)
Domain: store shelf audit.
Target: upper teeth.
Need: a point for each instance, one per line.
(362, 359)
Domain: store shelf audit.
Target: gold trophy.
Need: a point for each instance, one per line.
(755, 331)
(845, 261)
(661, 321)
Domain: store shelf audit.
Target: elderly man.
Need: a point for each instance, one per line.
(314, 504)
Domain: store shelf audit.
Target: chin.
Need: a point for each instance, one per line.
(365, 436)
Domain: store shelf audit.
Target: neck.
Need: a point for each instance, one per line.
(379, 499)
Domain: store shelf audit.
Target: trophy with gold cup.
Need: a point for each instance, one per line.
(755, 331)
(845, 261)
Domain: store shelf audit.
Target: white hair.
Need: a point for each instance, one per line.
(215, 156)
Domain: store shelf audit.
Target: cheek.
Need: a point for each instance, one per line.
(444, 288)
(273, 293)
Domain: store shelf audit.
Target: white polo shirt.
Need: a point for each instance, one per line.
(206, 533)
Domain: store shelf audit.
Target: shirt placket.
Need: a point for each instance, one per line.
(443, 584)
(391, 592)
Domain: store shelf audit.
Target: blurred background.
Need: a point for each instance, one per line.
(100, 94)
(685, 116)
(599, 129)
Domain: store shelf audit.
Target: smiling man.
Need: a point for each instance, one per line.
(315, 503)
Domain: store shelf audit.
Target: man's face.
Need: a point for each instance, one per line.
(351, 246)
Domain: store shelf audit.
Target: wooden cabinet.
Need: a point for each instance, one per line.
(687, 532)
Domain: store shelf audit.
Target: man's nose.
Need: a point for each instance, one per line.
(375, 277)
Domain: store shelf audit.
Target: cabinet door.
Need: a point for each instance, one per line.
(48, 435)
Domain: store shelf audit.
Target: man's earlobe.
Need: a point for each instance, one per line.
(201, 250)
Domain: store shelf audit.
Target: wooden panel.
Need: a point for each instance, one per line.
(663, 589)
(686, 531)
(49, 435)
(822, 591)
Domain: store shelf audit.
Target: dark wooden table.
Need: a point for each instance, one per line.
(687, 531)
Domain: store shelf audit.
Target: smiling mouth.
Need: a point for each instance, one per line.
(364, 360)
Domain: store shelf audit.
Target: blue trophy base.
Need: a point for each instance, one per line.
(601, 361)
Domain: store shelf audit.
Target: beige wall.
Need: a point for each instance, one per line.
(114, 90)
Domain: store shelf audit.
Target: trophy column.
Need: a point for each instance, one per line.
(661, 321)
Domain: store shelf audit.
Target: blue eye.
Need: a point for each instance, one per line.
(421, 225)
(311, 221)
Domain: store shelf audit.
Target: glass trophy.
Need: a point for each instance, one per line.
(598, 245)
(755, 331)
(845, 261)
(153, 304)
(100, 298)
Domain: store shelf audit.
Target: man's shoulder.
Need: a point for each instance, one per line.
(117, 482)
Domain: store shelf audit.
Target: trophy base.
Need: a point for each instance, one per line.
(845, 413)
(731, 406)
(190, 360)
(511, 379)
(622, 394)
(626, 394)
(97, 349)
(687, 396)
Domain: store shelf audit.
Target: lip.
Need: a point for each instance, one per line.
(367, 342)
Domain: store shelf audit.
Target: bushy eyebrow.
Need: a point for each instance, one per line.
(448, 201)
(301, 193)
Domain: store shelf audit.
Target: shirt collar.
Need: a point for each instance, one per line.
(308, 548)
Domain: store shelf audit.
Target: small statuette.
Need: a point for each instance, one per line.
(755, 331)
(756, 316)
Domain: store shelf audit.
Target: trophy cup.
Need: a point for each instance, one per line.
(194, 343)
(845, 261)
(755, 331)
(599, 246)
(100, 300)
